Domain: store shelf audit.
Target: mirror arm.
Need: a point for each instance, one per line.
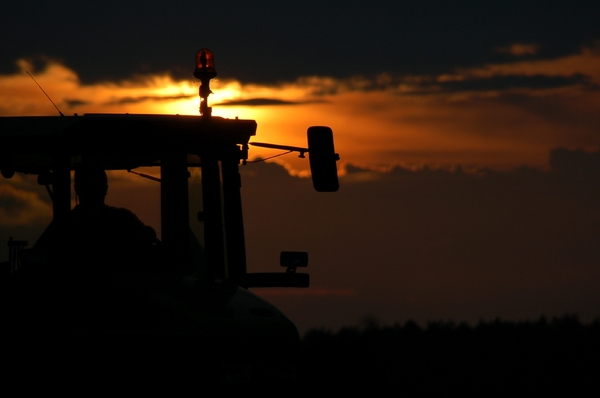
(282, 147)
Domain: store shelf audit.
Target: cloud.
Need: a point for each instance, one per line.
(20, 206)
(147, 98)
(498, 115)
(577, 163)
(73, 103)
(432, 243)
(510, 82)
(257, 102)
(585, 62)
(144, 94)
(426, 37)
(520, 49)
(402, 243)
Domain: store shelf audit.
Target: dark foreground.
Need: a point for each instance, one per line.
(443, 355)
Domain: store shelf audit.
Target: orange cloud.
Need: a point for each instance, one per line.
(520, 49)
(586, 62)
(497, 115)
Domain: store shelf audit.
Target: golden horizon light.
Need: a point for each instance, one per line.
(412, 121)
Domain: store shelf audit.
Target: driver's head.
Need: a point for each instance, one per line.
(91, 184)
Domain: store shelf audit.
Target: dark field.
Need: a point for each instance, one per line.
(443, 355)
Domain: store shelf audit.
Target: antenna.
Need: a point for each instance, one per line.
(50, 99)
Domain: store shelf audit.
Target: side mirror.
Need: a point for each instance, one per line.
(293, 260)
(289, 278)
(322, 159)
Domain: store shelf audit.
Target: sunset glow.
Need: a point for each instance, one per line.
(464, 118)
(468, 136)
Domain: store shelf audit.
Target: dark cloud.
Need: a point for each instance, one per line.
(272, 41)
(25, 210)
(72, 103)
(578, 163)
(145, 98)
(23, 188)
(257, 102)
(423, 244)
(433, 244)
(11, 202)
(534, 82)
(351, 168)
(429, 84)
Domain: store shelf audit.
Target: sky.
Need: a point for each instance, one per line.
(468, 138)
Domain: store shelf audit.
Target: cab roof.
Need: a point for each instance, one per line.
(28, 144)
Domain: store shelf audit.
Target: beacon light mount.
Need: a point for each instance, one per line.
(205, 70)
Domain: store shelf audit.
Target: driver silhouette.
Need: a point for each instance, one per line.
(105, 240)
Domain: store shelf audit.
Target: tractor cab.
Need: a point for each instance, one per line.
(190, 288)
